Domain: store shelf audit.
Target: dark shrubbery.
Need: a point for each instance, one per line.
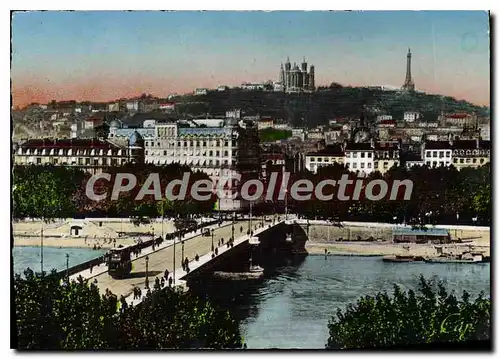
(410, 318)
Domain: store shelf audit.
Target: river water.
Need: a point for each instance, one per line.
(53, 258)
(291, 307)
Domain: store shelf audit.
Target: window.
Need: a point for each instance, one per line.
(386, 164)
(362, 165)
(461, 160)
(369, 165)
(38, 160)
(226, 143)
(468, 160)
(448, 153)
(362, 155)
(158, 144)
(434, 153)
(217, 153)
(434, 163)
(428, 154)
(96, 162)
(178, 143)
(354, 165)
(428, 163)
(226, 153)
(87, 161)
(354, 155)
(320, 159)
(313, 159)
(55, 160)
(105, 161)
(375, 165)
(204, 143)
(481, 160)
(474, 160)
(441, 154)
(454, 160)
(210, 153)
(369, 155)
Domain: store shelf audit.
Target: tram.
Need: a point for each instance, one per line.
(120, 263)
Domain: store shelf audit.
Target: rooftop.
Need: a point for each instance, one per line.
(68, 143)
(331, 150)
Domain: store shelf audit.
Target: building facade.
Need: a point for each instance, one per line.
(470, 153)
(359, 157)
(295, 79)
(325, 157)
(387, 155)
(91, 155)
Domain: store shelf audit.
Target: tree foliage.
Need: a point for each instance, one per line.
(410, 318)
(438, 195)
(60, 192)
(55, 314)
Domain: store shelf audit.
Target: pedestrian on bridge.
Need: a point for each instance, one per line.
(162, 282)
(166, 274)
(197, 257)
(139, 293)
(170, 281)
(157, 283)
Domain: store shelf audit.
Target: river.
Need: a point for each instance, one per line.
(53, 257)
(291, 307)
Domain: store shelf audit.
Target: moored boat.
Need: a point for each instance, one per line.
(400, 259)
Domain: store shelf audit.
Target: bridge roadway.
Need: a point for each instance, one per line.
(162, 258)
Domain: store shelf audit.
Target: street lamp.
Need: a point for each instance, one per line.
(232, 228)
(147, 279)
(41, 249)
(286, 203)
(212, 239)
(67, 265)
(182, 247)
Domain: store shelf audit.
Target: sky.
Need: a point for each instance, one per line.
(106, 55)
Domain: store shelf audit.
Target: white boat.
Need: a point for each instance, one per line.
(256, 269)
(254, 241)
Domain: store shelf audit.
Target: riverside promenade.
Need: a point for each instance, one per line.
(162, 258)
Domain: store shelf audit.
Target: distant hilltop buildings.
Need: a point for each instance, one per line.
(295, 79)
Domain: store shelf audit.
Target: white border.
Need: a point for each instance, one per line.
(191, 5)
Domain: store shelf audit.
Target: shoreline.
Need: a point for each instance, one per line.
(383, 249)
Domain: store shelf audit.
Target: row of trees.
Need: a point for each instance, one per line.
(60, 192)
(408, 318)
(73, 315)
(439, 195)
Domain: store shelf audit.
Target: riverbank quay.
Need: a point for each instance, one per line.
(104, 233)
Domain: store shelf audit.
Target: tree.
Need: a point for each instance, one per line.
(59, 314)
(185, 322)
(410, 318)
(55, 315)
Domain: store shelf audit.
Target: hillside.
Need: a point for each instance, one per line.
(326, 103)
